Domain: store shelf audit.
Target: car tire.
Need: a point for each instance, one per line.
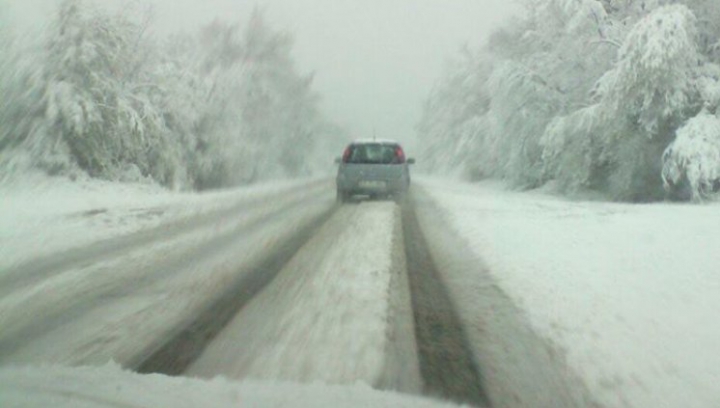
(342, 197)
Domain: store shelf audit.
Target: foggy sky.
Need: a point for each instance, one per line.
(374, 60)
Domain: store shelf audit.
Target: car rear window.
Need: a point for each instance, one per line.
(375, 153)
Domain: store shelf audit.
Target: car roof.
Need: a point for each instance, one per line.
(376, 141)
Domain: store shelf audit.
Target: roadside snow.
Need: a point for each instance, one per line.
(628, 293)
(110, 386)
(40, 215)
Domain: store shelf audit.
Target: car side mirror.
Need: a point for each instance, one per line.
(411, 161)
(338, 160)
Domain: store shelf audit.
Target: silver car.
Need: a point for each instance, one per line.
(376, 168)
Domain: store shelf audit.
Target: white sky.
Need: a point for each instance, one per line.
(375, 60)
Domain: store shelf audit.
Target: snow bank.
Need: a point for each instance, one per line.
(627, 295)
(110, 386)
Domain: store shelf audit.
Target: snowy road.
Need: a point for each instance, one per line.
(283, 287)
(466, 293)
(116, 298)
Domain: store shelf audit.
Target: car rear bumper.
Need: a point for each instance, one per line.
(371, 187)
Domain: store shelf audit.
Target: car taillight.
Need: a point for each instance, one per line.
(346, 155)
(400, 154)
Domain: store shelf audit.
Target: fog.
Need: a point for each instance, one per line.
(374, 61)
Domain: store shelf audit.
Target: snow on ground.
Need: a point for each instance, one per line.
(327, 317)
(117, 308)
(113, 305)
(41, 215)
(628, 293)
(327, 314)
(109, 386)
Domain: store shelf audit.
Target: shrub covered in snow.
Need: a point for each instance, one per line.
(570, 150)
(694, 157)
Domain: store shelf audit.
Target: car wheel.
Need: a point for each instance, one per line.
(342, 197)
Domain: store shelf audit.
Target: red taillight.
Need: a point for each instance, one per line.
(400, 154)
(346, 155)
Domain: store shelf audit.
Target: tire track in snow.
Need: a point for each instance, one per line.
(180, 350)
(334, 314)
(521, 368)
(19, 329)
(447, 364)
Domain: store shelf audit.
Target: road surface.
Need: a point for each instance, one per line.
(290, 287)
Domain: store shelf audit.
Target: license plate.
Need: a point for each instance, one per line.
(372, 185)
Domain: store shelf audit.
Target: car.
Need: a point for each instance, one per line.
(373, 168)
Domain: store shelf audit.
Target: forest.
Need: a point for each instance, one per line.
(611, 97)
(614, 97)
(96, 95)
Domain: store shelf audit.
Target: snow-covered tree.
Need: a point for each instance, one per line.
(548, 63)
(449, 125)
(694, 157)
(572, 150)
(93, 105)
(649, 93)
(708, 22)
(260, 119)
(589, 93)
(523, 103)
(653, 81)
(23, 113)
(224, 107)
(280, 108)
(615, 145)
